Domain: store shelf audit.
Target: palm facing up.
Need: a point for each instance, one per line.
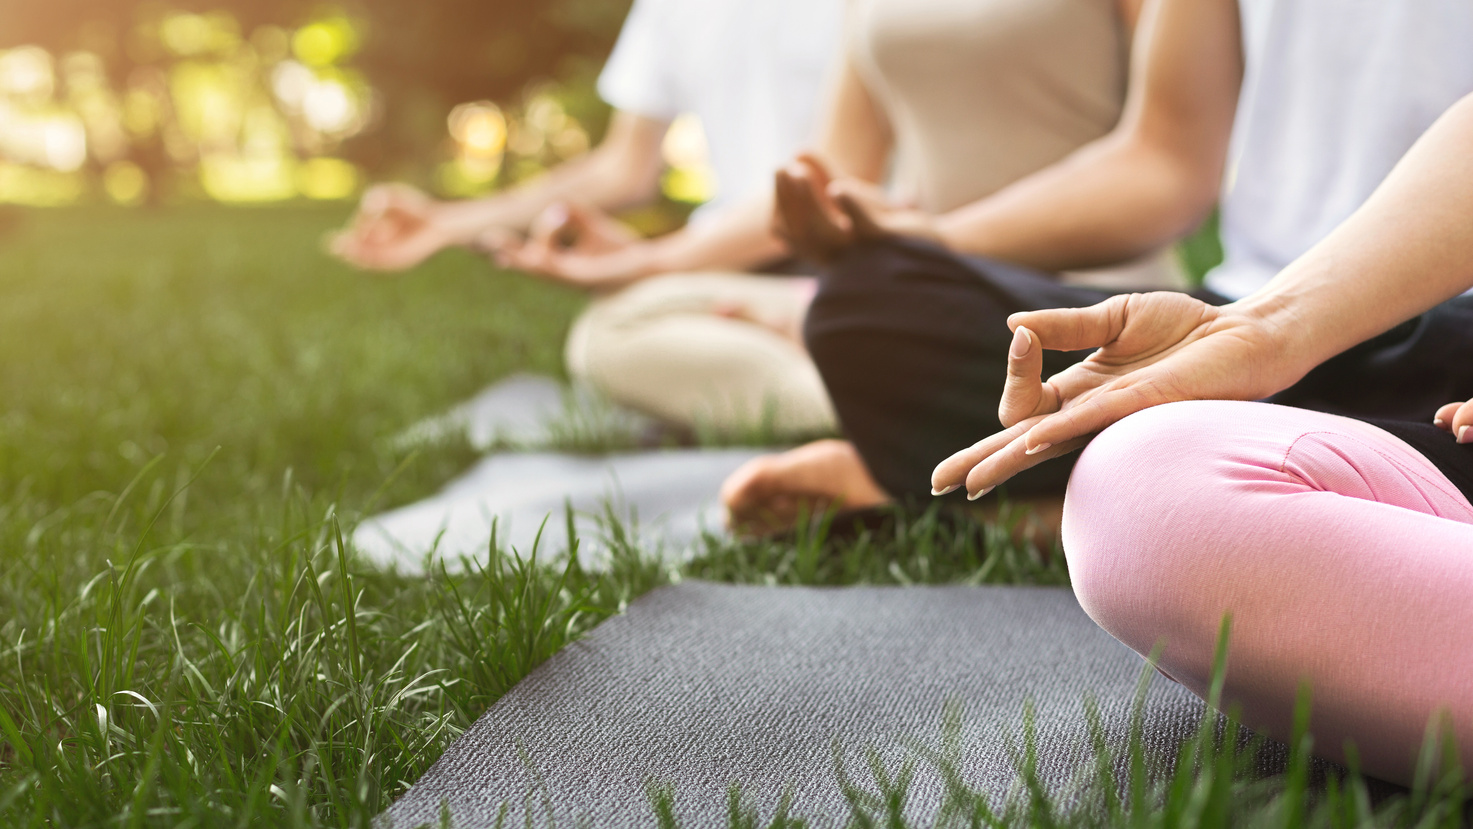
(1152, 348)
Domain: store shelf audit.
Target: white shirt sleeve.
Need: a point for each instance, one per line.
(638, 76)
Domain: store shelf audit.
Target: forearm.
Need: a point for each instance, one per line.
(1404, 251)
(623, 169)
(1149, 181)
(739, 238)
(591, 179)
(1110, 202)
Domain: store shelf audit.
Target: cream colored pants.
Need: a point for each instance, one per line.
(717, 352)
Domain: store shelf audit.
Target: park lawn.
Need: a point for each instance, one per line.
(195, 407)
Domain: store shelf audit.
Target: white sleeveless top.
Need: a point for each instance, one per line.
(1334, 93)
(753, 71)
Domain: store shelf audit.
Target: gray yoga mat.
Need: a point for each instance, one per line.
(529, 411)
(702, 685)
(665, 497)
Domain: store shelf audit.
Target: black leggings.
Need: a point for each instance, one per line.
(912, 342)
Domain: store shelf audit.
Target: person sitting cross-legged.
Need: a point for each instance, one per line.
(678, 327)
(1340, 548)
(1306, 106)
(958, 100)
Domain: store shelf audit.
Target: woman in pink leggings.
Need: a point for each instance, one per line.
(1342, 550)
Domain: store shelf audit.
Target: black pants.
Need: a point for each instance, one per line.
(912, 343)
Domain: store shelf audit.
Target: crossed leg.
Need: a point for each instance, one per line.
(1344, 557)
(709, 350)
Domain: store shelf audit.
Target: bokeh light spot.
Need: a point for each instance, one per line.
(185, 34)
(327, 178)
(26, 73)
(125, 183)
(479, 128)
(37, 187)
(230, 178)
(63, 142)
(329, 106)
(325, 42)
(142, 112)
(465, 177)
(690, 178)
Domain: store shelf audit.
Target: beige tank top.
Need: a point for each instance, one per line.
(981, 93)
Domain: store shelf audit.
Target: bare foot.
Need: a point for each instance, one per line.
(770, 494)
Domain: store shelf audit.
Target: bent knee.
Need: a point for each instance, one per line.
(588, 329)
(607, 319)
(1139, 507)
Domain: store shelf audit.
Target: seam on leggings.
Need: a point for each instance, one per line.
(1454, 493)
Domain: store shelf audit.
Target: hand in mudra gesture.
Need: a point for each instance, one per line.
(820, 215)
(1151, 349)
(576, 244)
(394, 228)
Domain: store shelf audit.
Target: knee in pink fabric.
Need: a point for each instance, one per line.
(1135, 498)
(1344, 556)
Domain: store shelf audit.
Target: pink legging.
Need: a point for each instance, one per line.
(1343, 556)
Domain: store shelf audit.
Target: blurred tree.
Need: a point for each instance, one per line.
(420, 58)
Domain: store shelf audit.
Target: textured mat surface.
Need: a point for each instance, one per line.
(529, 411)
(668, 497)
(702, 685)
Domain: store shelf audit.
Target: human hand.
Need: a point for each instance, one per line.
(1456, 418)
(581, 228)
(395, 228)
(1152, 348)
(820, 216)
(577, 245)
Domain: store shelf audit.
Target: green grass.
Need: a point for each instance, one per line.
(195, 405)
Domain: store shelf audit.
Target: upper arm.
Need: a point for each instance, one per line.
(854, 134)
(1185, 72)
(630, 150)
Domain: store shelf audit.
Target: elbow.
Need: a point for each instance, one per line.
(1193, 205)
(622, 181)
(1185, 183)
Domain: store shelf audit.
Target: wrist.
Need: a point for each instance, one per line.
(949, 232)
(1283, 339)
(655, 256)
(456, 221)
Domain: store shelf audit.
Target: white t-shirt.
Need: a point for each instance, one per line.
(1334, 93)
(753, 71)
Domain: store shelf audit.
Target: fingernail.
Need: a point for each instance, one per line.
(1021, 344)
(944, 490)
(972, 496)
(1039, 448)
(1463, 434)
(1438, 422)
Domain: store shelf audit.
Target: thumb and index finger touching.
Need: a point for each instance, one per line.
(1038, 426)
(805, 215)
(1025, 393)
